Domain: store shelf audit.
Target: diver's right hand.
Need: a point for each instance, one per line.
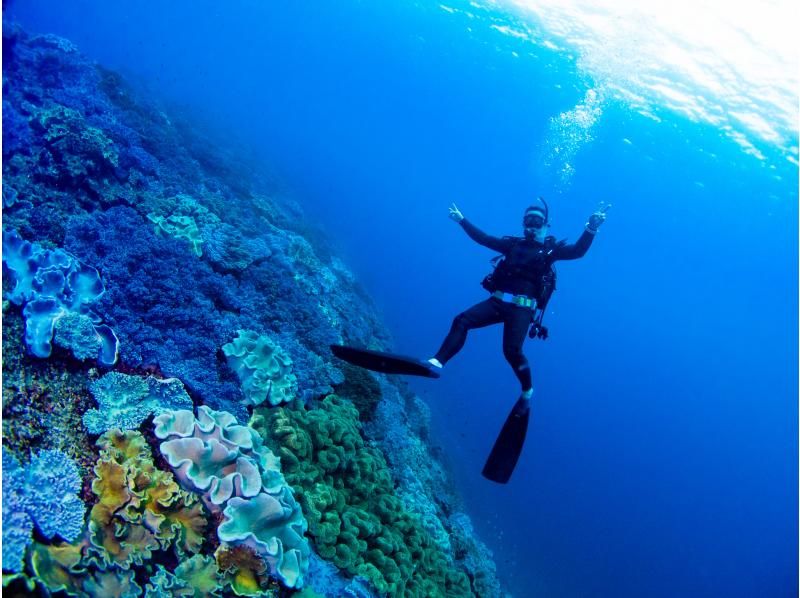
(456, 214)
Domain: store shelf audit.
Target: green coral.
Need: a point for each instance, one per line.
(264, 369)
(179, 227)
(347, 494)
(182, 217)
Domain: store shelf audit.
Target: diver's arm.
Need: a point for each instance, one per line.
(477, 235)
(501, 244)
(581, 246)
(575, 250)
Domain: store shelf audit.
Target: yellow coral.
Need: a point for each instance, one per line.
(243, 569)
(140, 509)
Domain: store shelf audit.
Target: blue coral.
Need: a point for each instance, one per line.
(53, 285)
(325, 579)
(44, 493)
(17, 523)
(160, 319)
(55, 482)
(125, 401)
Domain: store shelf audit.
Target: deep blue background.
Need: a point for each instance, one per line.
(662, 458)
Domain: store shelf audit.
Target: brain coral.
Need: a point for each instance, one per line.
(236, 474)
(264, 369)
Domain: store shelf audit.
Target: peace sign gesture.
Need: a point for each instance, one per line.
(456, 214)
(599, 216)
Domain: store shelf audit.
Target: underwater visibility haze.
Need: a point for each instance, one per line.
(199, 198)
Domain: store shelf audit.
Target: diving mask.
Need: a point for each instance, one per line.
(533, 220)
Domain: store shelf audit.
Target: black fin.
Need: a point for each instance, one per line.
(508, 446)
(388, 363)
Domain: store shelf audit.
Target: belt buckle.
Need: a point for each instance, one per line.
(522, 301)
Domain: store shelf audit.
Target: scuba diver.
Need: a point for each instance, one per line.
(520, 286)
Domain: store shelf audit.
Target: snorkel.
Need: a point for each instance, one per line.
(535, 221)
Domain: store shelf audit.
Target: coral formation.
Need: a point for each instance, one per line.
(52, 285)
(194, 244)
(236, 474)
(179, 227)
(139, 509)
(44, 493)
(347, 493)
(264, 369)
(126, 401)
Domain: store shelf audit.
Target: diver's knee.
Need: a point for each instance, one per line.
(515, 357)
(521, 367)
(461, 321)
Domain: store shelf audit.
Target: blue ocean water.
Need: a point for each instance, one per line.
(662, 454)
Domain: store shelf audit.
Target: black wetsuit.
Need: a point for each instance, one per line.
(526, 261)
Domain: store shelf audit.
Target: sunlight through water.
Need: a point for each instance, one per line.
(730, 65)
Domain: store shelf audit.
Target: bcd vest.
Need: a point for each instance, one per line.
(522, 264)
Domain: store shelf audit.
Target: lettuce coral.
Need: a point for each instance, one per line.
(238, 476)
(139, 509)
(264, 369)
(198, 576)
(65, 568)
(125, 401)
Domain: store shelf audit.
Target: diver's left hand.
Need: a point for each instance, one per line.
(596, 219)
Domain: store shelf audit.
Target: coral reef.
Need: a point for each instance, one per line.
(194, 243)
(126, 401)
(347, 493)
(44, 493)
(57, 292)
(236, 474)
(139, 511)
(264, 369)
